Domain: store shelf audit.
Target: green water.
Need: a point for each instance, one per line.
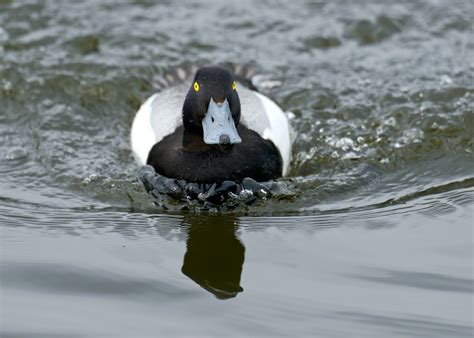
(375, 240)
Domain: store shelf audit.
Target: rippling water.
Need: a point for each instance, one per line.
(375, 239)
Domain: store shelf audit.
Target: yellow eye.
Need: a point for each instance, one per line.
(234, 85)
(196, 86)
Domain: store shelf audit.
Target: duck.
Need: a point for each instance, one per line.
(213, 129)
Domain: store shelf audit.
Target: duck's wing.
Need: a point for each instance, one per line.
(157, 117)
(261, 114)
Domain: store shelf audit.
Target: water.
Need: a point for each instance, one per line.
(374, 238)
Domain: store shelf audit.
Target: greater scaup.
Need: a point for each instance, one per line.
(222, 131)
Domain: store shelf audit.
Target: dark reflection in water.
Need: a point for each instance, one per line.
(215, 256)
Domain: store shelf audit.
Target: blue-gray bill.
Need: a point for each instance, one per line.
(218, 125)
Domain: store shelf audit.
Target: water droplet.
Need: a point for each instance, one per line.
(351, 156)
(90, 178)
(331, 140)
(391, 122)
(344, 143)
(7, 85)
(15, 154)
(413, 135)
(3, 35)
(445, 80)
(424, 106)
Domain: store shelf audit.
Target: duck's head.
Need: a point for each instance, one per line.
(212, 106)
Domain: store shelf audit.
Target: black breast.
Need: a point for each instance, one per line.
(186, 156)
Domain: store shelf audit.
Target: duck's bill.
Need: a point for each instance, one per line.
(219, 126)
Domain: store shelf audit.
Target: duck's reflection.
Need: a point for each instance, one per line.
(214, 256)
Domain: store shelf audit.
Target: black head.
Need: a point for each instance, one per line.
(212, 99)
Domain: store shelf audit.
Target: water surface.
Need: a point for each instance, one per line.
(374, 239)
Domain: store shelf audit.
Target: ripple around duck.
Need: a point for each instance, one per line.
(373, 122)
(407, 326)
(432, 202)
(57, 278)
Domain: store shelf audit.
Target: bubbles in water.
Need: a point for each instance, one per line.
(397, 145)
(445, 80)
(90, 178)
(306, 156)
(7, 85)
(410, 136)
(344, 143)
(391, 122)
(463, 101)
(265, 82)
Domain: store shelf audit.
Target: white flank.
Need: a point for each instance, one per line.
(142, 136)
(279, 130)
